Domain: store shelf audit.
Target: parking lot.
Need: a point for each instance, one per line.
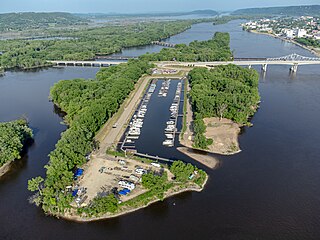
(102, 176)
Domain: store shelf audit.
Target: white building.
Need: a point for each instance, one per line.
(301, 33)
(289, 33)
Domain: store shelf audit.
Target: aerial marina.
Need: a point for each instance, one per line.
(171, 128)
(136, 124)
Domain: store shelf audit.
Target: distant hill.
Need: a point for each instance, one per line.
(31, 20)
(207, 12)
(313, 10)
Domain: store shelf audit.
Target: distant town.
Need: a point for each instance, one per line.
(288, 27)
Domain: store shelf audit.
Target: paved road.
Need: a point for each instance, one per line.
(115, 133)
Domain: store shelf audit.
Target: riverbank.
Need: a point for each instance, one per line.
(138, 202)
(14, 138)
(72, 216)
(310, 49)
(5, 168)
(224, 134)
(109, 171)
(203, 157)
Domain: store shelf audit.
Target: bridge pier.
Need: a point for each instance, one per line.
(264, 67)
(294, 68)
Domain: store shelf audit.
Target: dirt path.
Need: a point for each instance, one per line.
(187, 137)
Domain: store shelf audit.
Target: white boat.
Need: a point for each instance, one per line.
(132, 137)
(169, 136)
(168, 143)
(170, 123)
(169, 129)
(134, 131)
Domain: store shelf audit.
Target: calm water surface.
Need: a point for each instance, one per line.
(268, 191)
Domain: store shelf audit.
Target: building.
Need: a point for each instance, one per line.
(301, 33)
(289, 33)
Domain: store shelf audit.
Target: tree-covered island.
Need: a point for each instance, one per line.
(13, 138)
(90, 104)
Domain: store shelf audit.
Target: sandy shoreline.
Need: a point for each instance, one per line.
(203, 157)
(77, 218)
(224, 133)
(5, 168)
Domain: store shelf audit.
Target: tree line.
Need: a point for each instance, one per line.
(156, 183)
(85, 44)
(13, 137)
(30, 20)
(226, 92)
(216, 49)
(88, 104)
(308, 42)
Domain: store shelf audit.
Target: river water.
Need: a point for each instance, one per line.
(268, 191)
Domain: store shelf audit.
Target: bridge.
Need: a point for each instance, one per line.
(164, 44)
(107, 63)
(108, 57)
(292, 60)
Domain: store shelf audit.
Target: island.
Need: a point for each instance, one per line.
(90, 178)
(14, 137)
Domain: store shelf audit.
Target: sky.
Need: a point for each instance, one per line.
(139, 6)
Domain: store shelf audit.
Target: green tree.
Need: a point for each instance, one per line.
(34, 184)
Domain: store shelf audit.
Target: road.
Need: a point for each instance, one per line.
(109, 135)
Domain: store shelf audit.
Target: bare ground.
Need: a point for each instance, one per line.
(186, 139)
(203, 157)
(224, 133)
(101, 174)
(5, 168)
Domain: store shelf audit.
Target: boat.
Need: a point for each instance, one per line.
(168, 143)
(132, 137)
(170, 136)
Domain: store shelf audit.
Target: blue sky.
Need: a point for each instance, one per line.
(133, 6)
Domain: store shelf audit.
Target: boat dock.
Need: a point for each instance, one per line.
(134, 128)
(154, 157)
(171, 129)
(133, 131)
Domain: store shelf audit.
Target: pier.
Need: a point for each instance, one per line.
(154, 157)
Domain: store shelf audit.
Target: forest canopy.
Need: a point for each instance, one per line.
(84, 44)
(226, 91)
(88, 104)
(216, 49)
(13, 137)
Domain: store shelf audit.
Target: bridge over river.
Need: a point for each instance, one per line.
(292, 60)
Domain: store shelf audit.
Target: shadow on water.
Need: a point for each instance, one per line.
(17, 165)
